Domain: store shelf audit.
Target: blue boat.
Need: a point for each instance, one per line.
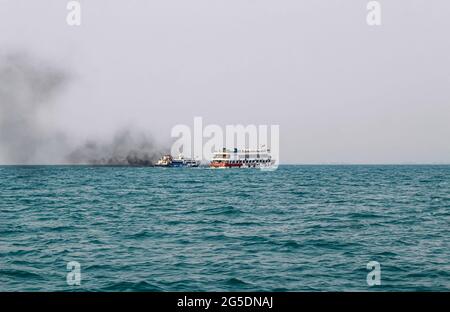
(180, 161)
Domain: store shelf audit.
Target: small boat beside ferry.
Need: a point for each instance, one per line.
(246, 158)
(180, 161)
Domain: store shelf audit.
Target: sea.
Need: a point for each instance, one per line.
(298, 228)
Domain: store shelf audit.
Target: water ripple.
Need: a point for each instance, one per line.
(299, 228)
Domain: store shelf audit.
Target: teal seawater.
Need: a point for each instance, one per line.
(299, 228)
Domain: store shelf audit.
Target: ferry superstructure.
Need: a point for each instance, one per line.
(246, 158)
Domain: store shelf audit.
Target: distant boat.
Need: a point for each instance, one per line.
(259, 158)
(180, 161)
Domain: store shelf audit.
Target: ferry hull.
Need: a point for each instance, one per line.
(224, 165)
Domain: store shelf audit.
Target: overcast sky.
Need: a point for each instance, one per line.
(341, 91)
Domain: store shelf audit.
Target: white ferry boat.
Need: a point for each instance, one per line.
(180, 161)
(259, 158)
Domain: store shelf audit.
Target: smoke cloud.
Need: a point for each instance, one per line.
(28, 89)
(126, 148)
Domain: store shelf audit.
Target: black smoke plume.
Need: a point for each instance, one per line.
(126, 148)
(28, 88)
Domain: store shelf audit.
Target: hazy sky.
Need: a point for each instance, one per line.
(340, 90)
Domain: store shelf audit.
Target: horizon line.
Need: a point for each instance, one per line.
(281, 164)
